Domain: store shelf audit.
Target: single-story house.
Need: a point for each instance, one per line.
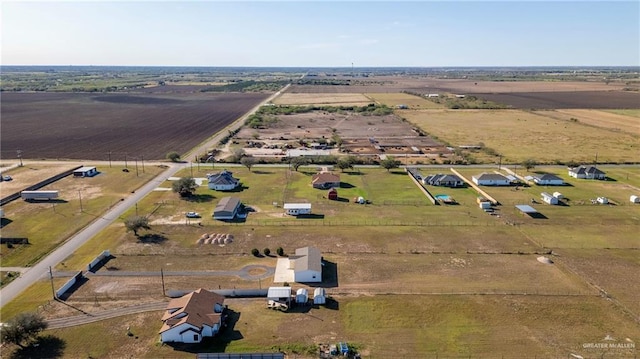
(443, 180)
(305, 266)
(586, 172)
(325, 180)
(490, 179)
(227, 208)
(548, 198)
(85, 171)
(191, 317)
(547, 179)
(223, 181)
(295, 209)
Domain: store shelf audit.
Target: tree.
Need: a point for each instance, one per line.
(296, 162)
(255, 252)
(23, 327)
(173, 156)
(344, 163)
(529, 164)
(280, 251)
(185, 186)
(136, 223)
(248, 162)
(389, 163)
(266, 252)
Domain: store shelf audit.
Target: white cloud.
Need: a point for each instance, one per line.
(369, 41)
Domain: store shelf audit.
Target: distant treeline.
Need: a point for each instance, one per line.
(247, 86)
(267, 114)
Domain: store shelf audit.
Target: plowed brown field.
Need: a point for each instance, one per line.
(90, 126)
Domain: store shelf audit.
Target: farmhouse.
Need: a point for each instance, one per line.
(305, 266)
(324, 180)
(443, 180)
(85, 171)
(227, 208)
(548, 198)
(490, 179)
(191, 317)
(586, 172)
(223, 181)
(295, 209)
(547, 179)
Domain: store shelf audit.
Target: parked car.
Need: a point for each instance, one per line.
(193, 215)
(7, 178)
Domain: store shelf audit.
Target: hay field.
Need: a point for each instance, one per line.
(603, 119)
(519, 135)
(412, 101)
(329, 99)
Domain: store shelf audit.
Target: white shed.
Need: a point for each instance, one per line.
(603, 200)
(634, 199)
(558, 195)
(302, 296)
(319, 296)
(547, 198)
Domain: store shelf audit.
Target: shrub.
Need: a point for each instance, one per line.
(280, 251)
(266, 252)
(255, 252)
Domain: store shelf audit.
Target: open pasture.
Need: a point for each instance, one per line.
(114, 126)
(396, 99)
(623, 122)
(519, 135)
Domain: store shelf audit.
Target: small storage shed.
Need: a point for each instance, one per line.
(558, 195)
(548, 198)
(333, 194)
(603, 200)
(85, 171)
(319, 296)
(484, 204)
(302, 296)
(634, 199)
(279, 294)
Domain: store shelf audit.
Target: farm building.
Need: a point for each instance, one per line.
(587, 172)
(558, 195)
(319, 296)
(279, 295)
(443, 180)
(602, 200)
(305, 266)
(490, 179)
(295, 209)
(302, 296)
(85, 171)
(191, 317)
(38, 195)
(227, 208)
(324, 180)
(548, 198)
(634, 199)
(223, 181)
(547, 179)
(333, 194)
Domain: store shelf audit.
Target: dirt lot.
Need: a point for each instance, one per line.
(90, 126)
(347, 99)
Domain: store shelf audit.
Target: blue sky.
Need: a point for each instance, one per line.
(319, 34)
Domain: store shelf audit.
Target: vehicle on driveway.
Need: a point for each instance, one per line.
(192, 215)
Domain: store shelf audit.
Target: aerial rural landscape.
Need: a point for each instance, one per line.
(377, 172)
(310, 179)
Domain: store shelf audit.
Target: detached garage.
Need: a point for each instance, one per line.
(85, 172)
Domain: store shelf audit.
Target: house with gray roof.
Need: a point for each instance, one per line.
(305, 266)
(443, 180)
(227, 208)
(547, 179)
(223, 181)
(586, 172)
(490, 179)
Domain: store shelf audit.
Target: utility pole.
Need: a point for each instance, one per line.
(500, 163)
(191, 169)
(142, 163)
(20, 157)
(125, 160)
(53, 290)
(109, 159)
(136, 166)
(162, 277)
(80, 197)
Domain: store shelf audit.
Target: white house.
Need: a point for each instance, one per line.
(223, 181)
(295, 209)
(547, 179)
(490, 179)
(85, 171)
(191, 317)
(548, 198)
(584, 172)
(303, 267)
